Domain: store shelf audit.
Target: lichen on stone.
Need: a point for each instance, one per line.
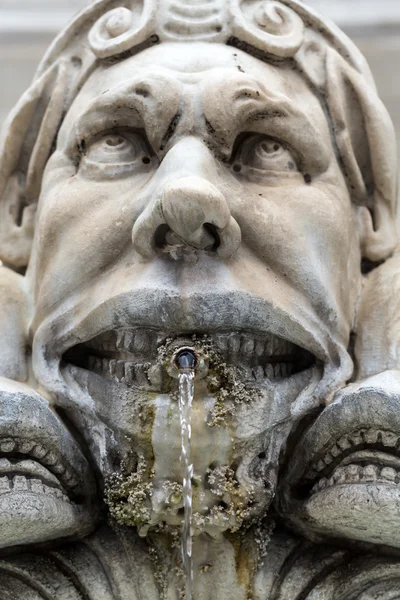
(223, 380)
(128, 495)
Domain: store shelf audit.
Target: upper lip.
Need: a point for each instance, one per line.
(234, 310)
(30, 430)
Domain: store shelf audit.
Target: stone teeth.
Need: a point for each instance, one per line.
(7, 445)
(357, 438)
(259, 347)
(247, 347)
(258, 373)
(322, 483)
(357, 474)
(37, 486)
(279, 346)
(38, 451)
(353, 473)
(370, 473)
(129, 340)
(112, 366)
(234, 344)
(335, 451)
(119, 369)
(142, 342)
(121, 335)
(69, 478)
(156, 375)
(221, 341)
(20, 484)
(58, 468)
(371, 436)
(50, 459)
(344, 444)
(141, 375)
(129, 373)
(59, 494)
(269, 347)
(389, 439)
(339, 475)
(269, 371)
(5, 485)
(25, 447)
(105, 365)
(388, 473)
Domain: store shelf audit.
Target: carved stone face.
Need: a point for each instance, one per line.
(193, 196)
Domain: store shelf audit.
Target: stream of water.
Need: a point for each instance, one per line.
(186, 389)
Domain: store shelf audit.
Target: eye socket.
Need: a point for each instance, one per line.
(259, 154)
(118, 148)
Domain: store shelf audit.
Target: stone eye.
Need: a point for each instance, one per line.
(114, 140)
(115, 148)
(263, 154)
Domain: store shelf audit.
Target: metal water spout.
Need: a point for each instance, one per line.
(186, 357)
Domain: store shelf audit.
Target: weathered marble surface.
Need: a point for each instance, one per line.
(221, 176)
(23, 42)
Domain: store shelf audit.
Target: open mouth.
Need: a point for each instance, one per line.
(28, 466)
(342, 481)
(47, 490)
(363, 456)
(127, 355)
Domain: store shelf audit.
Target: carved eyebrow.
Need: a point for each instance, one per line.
(254, 100)
(133, 104)
(254, 108)
(292, 126)
(100, 119)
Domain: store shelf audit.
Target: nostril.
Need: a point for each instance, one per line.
(213, 231)
(160, 235)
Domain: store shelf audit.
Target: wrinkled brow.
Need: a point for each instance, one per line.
(243, 104)
(150, 103)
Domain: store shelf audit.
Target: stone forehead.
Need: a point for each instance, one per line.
(200, 62)
(193, 64)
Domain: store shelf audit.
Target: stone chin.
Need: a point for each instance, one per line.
(343, 479)
(116, 388)
(46, 487)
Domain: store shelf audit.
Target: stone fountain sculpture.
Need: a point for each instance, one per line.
(216, 177)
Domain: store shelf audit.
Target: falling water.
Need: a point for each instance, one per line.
(186, 389)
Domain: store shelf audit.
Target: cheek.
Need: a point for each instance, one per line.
(82, 228)
(297, 218)
(308, 236)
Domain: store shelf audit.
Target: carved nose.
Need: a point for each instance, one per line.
(196, 212)
(190, 211)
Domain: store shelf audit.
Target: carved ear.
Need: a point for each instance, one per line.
(26, 142)
(366, 143)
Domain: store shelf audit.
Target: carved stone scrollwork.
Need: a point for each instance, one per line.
(269, 26)
(121, 28)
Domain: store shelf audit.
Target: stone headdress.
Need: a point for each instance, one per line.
(276, 31)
